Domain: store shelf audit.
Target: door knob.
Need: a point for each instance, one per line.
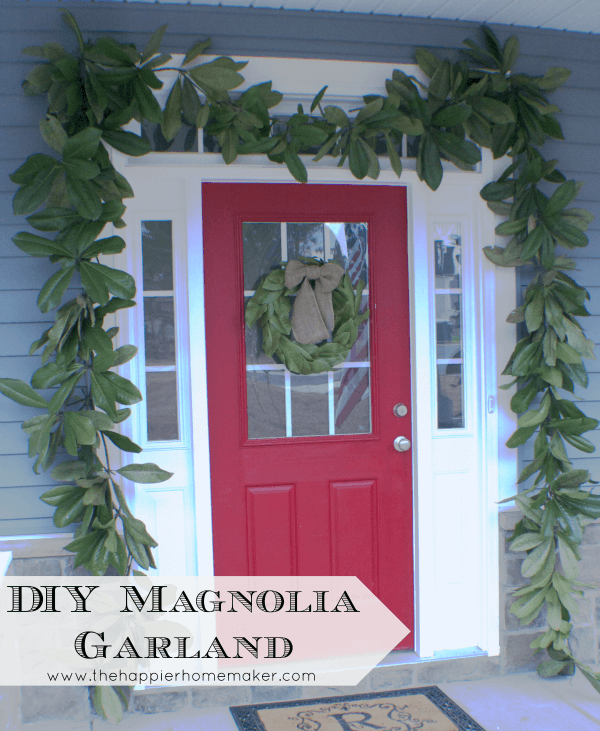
(401, 444)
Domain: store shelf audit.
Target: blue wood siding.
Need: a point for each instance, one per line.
(252, 32)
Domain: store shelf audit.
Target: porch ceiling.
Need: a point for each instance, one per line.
(573, 15)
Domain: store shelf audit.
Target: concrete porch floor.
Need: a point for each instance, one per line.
(522, 702)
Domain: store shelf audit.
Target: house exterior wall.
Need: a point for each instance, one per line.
(249, 32)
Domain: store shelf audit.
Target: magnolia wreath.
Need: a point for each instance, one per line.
(325, 319)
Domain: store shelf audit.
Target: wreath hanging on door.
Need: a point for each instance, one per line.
(330, 310)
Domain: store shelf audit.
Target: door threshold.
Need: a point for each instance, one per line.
(408, 657)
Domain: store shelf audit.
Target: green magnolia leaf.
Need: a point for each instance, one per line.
(535, 560)
(427, 61)
(31, 167)
(122, 442)
(127, 142)
(203, 115)
(108, 704)
(63, 393)
(53, 132)
(571, 479)
(153, 45)
(510, 54)
(309, 135)
(93, 283)
(104, 394)
(56, 494)
(358, 159)
(171, 121)
(144, 473)
(373, 169)
(49, 375)
(429, 165)
(196, 50)
(100, 421)
(440, 84)
(80, 169)
(83, 145)
(113, 305)
(109, 245)
(337, 116)
(190, 101)
(22, 393)
(104, 360)
(72, 23)
(536, 416)
(124, 354)
(553, 78)
(451, 116)
(84, 197)
(295, 166)
(125, 392)
(534, 312)
(534, 241)
(69, 509)
(85, 431)
(216, 76)
(498, 191)
(568, 559)
(493, 110)
(317, 100)
(526, 541)
(117, 282)
(70, 470)
(561, 197)
(373, 106)
(53, 291)
(53, 219)
(39, 246)
(550, 668)
(578, 217)
(32, 194)
(393, 156)
(508, 228)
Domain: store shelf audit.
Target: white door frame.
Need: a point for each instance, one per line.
(456, 474)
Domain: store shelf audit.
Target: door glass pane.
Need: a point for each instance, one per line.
(266, 403)
(450, 396)
(310, 405)
(157, 251)
(262, 251)
(160, 346)
(287, 404)
(159, 331)
(161, 403)
(449, 325)
(352, 402)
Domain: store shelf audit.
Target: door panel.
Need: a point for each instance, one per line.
(309, 483)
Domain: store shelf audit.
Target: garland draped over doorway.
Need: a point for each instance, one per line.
(75, 191)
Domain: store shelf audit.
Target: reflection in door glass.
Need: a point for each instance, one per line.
(449, 325)
(266, 403)
(284, 404)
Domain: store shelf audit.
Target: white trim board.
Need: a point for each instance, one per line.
(456, 473)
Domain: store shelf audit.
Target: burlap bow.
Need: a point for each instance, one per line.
(313, 317)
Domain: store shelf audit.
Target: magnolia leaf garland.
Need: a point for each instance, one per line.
(269, 308)
(96, 90)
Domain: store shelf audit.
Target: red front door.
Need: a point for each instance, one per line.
(305, 479)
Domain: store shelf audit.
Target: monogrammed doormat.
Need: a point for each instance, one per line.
(411, 709)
